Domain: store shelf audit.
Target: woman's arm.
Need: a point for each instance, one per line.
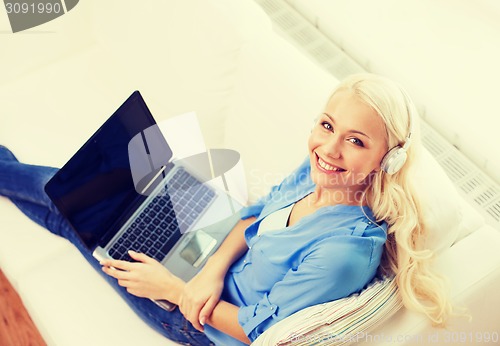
(225, 318)
(232, 247)
(201, 294)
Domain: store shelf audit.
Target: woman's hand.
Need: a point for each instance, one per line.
(201, 294)
(145, 278)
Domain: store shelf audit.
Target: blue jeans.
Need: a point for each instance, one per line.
(24, 185)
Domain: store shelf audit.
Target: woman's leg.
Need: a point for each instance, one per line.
(24, 185)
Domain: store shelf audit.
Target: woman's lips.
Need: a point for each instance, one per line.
(327, 167)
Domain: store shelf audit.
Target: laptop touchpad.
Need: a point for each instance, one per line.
(198, 248)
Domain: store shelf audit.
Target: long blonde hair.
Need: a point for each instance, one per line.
(394, 199)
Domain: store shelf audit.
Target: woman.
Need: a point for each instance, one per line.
(348, 211)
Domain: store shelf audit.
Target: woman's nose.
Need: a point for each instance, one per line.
(333, 147)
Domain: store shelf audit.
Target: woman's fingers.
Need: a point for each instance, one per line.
(119, 274)
(194, 314)
(190, 308)
(125, 265)
(118, 269)
(117, 264)
(207, 309)
(140, 257)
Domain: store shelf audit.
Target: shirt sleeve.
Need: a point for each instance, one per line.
(333, 270)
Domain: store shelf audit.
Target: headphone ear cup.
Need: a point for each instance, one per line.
(394, 160)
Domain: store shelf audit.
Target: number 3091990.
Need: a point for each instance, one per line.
(25, 8)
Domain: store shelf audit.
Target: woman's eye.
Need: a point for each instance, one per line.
(327, 125)
(357, 142)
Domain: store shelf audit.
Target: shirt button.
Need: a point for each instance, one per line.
(244, 261)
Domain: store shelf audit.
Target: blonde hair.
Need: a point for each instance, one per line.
(394, 199)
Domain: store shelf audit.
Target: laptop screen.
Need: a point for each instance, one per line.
(94, 190)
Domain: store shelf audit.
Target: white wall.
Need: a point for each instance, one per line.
(445, 52)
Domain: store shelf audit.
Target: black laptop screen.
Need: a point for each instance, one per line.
(95, 188)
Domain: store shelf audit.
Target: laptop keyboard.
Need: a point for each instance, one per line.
(158, 227)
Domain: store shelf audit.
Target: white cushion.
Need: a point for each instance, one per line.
(72, 305)
(183, 55)
(26, 51)
(448, 217)
(23, 244)
(58, 119)
(472, 220)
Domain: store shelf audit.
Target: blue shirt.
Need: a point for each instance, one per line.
(325, 256)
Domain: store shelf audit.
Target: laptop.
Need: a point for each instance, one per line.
(123, 190)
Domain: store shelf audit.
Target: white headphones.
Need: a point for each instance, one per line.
(395, 158)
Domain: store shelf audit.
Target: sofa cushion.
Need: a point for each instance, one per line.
(72, 304)
(440, 202)
(85, 89)
(182, 55)
(449, 218)
(23, 244)
(29, 50)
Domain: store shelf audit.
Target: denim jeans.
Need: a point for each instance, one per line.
(24, 185)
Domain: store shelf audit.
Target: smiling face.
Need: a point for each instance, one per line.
(346, 145)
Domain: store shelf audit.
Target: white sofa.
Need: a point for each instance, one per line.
(252, 91)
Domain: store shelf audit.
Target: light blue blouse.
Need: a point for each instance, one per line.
(327, 255)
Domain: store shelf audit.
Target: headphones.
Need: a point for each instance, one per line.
(395, 158)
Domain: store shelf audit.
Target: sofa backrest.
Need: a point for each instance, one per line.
(183, 55)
